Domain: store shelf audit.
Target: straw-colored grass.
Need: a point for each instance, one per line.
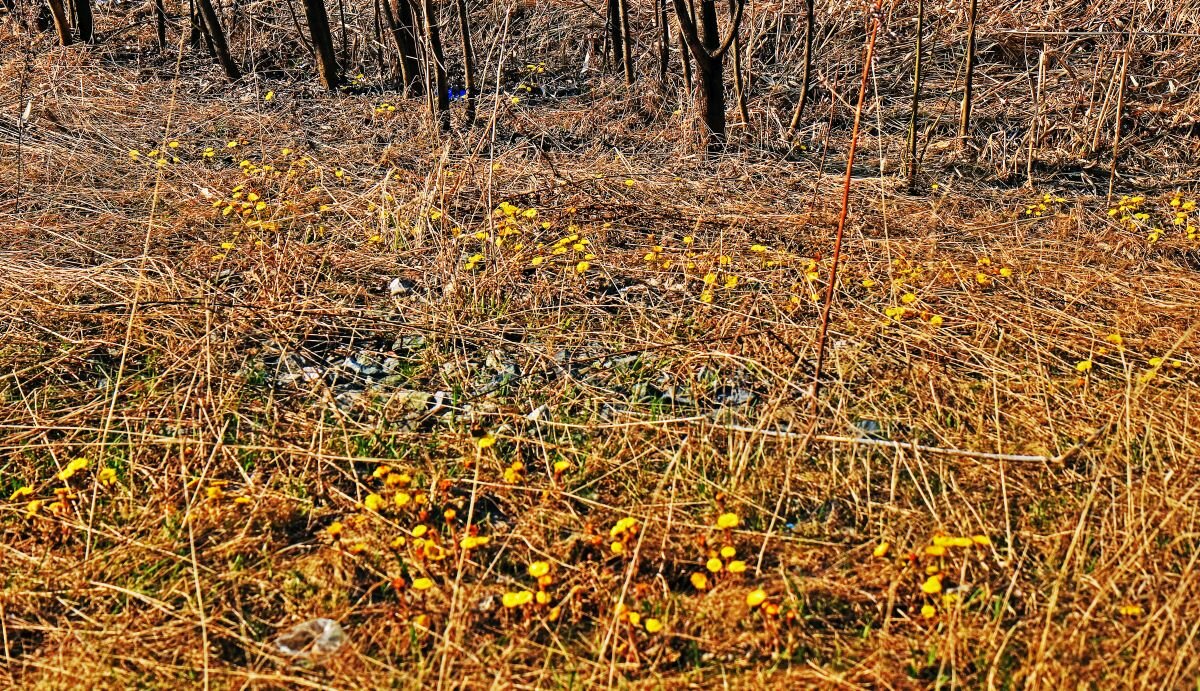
(1012, 380)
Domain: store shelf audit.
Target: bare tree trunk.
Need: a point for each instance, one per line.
(914, 113)
(217, 38)
(626, 48)
(195, 24)
(809, 23)
(708, 49)
(84, 21)
(439, 97)
(615, 32)
(399, 16)
(739, 85)
(964, 120)
(472, 95)
(686, 58)
(322, 38)
(664, 45)
(160, 25)
(60, 21)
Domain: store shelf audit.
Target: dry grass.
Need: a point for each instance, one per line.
(149, 334)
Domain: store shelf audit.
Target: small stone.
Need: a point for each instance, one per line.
(400, 287)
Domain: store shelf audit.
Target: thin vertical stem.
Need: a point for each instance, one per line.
(1035, 122)
(914, 113)
(876, 13)
(1112, 176)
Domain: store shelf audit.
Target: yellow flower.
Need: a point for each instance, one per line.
(932, 585)
(624, 525)
(422, 583)
(517, 599)
(737, 566)
(756, 597)
(401, 498)
(758, 249)
(688, 240)
(881, 549)
(1083, 366)
(335, 529)
(653, 625)
(630, 183)
(542, 597)
(728, 552)
(867, 283)
(581, 267)
(397, 479)
(935, 550)
(33, 507)
(714, 565)
(373, 502)
(73, 467)
(1115, 339)
(982, 540)
(1006, 272)
(699, 581)
(1130, 610)
(487, 442)
(634, 618)
(107, 476)
(936, 320)
(908, 298)
(561, 467)
(727, 521)
(21, 492)
(617, 547)
(473, 541)
(420, 530)
(928, 611)
(539, 568)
